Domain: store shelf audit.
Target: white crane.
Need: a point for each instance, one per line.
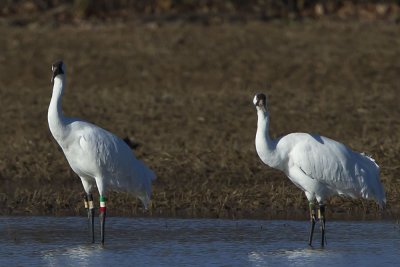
(97, 156)
(319, 166)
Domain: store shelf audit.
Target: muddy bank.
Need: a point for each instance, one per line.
(184, 93)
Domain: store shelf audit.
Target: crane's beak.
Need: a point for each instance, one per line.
(53, 69)
(52, 77)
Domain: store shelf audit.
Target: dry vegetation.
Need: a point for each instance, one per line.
(184, 93)
(28, 12)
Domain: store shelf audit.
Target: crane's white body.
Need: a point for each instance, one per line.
(320, 166)
(97, 156)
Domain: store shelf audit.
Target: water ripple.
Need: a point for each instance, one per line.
(63, 241)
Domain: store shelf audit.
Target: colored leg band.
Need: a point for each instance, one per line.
(103, 200)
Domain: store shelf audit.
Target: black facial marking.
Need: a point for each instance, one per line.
(57, 69)
(261, 99)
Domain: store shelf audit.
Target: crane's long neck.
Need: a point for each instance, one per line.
(266, 148)
(56, 119)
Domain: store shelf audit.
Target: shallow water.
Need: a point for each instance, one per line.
(63, 241)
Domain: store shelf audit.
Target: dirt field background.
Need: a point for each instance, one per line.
(184, 92)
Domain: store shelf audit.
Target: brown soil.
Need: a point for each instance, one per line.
(184, 93)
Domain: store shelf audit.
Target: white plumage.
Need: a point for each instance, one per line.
(320, 166)
(97, 156)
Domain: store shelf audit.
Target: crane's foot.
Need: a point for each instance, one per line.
(321, 217)
(312, 221)
(102, 216)
(90, 209)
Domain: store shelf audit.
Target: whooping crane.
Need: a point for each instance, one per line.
(319, 166)
(97, 156)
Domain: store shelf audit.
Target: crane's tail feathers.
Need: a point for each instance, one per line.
(371, 159)
(146, 201)
(382, 204)
(147, 171)
(149, 176)
(375, 187)
(145, 194)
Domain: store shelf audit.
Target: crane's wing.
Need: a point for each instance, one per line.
(324, 161)
(103, 155)
(339, 168)
(99, 145)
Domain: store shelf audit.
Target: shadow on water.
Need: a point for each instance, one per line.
(63, 241)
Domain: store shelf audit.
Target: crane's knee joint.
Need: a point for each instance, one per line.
(312, 210)
(85, 201)
(90, 201)
(321, 212)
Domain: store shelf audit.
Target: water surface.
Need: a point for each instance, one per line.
(63, 241)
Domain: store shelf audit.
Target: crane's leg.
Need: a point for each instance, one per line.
(312, 221)
(87, 183)
(90, 209)
(321, 217)
(86, 202)
(102, 216)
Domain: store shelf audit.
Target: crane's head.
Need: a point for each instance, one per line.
(57, 68)
(260, 101)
